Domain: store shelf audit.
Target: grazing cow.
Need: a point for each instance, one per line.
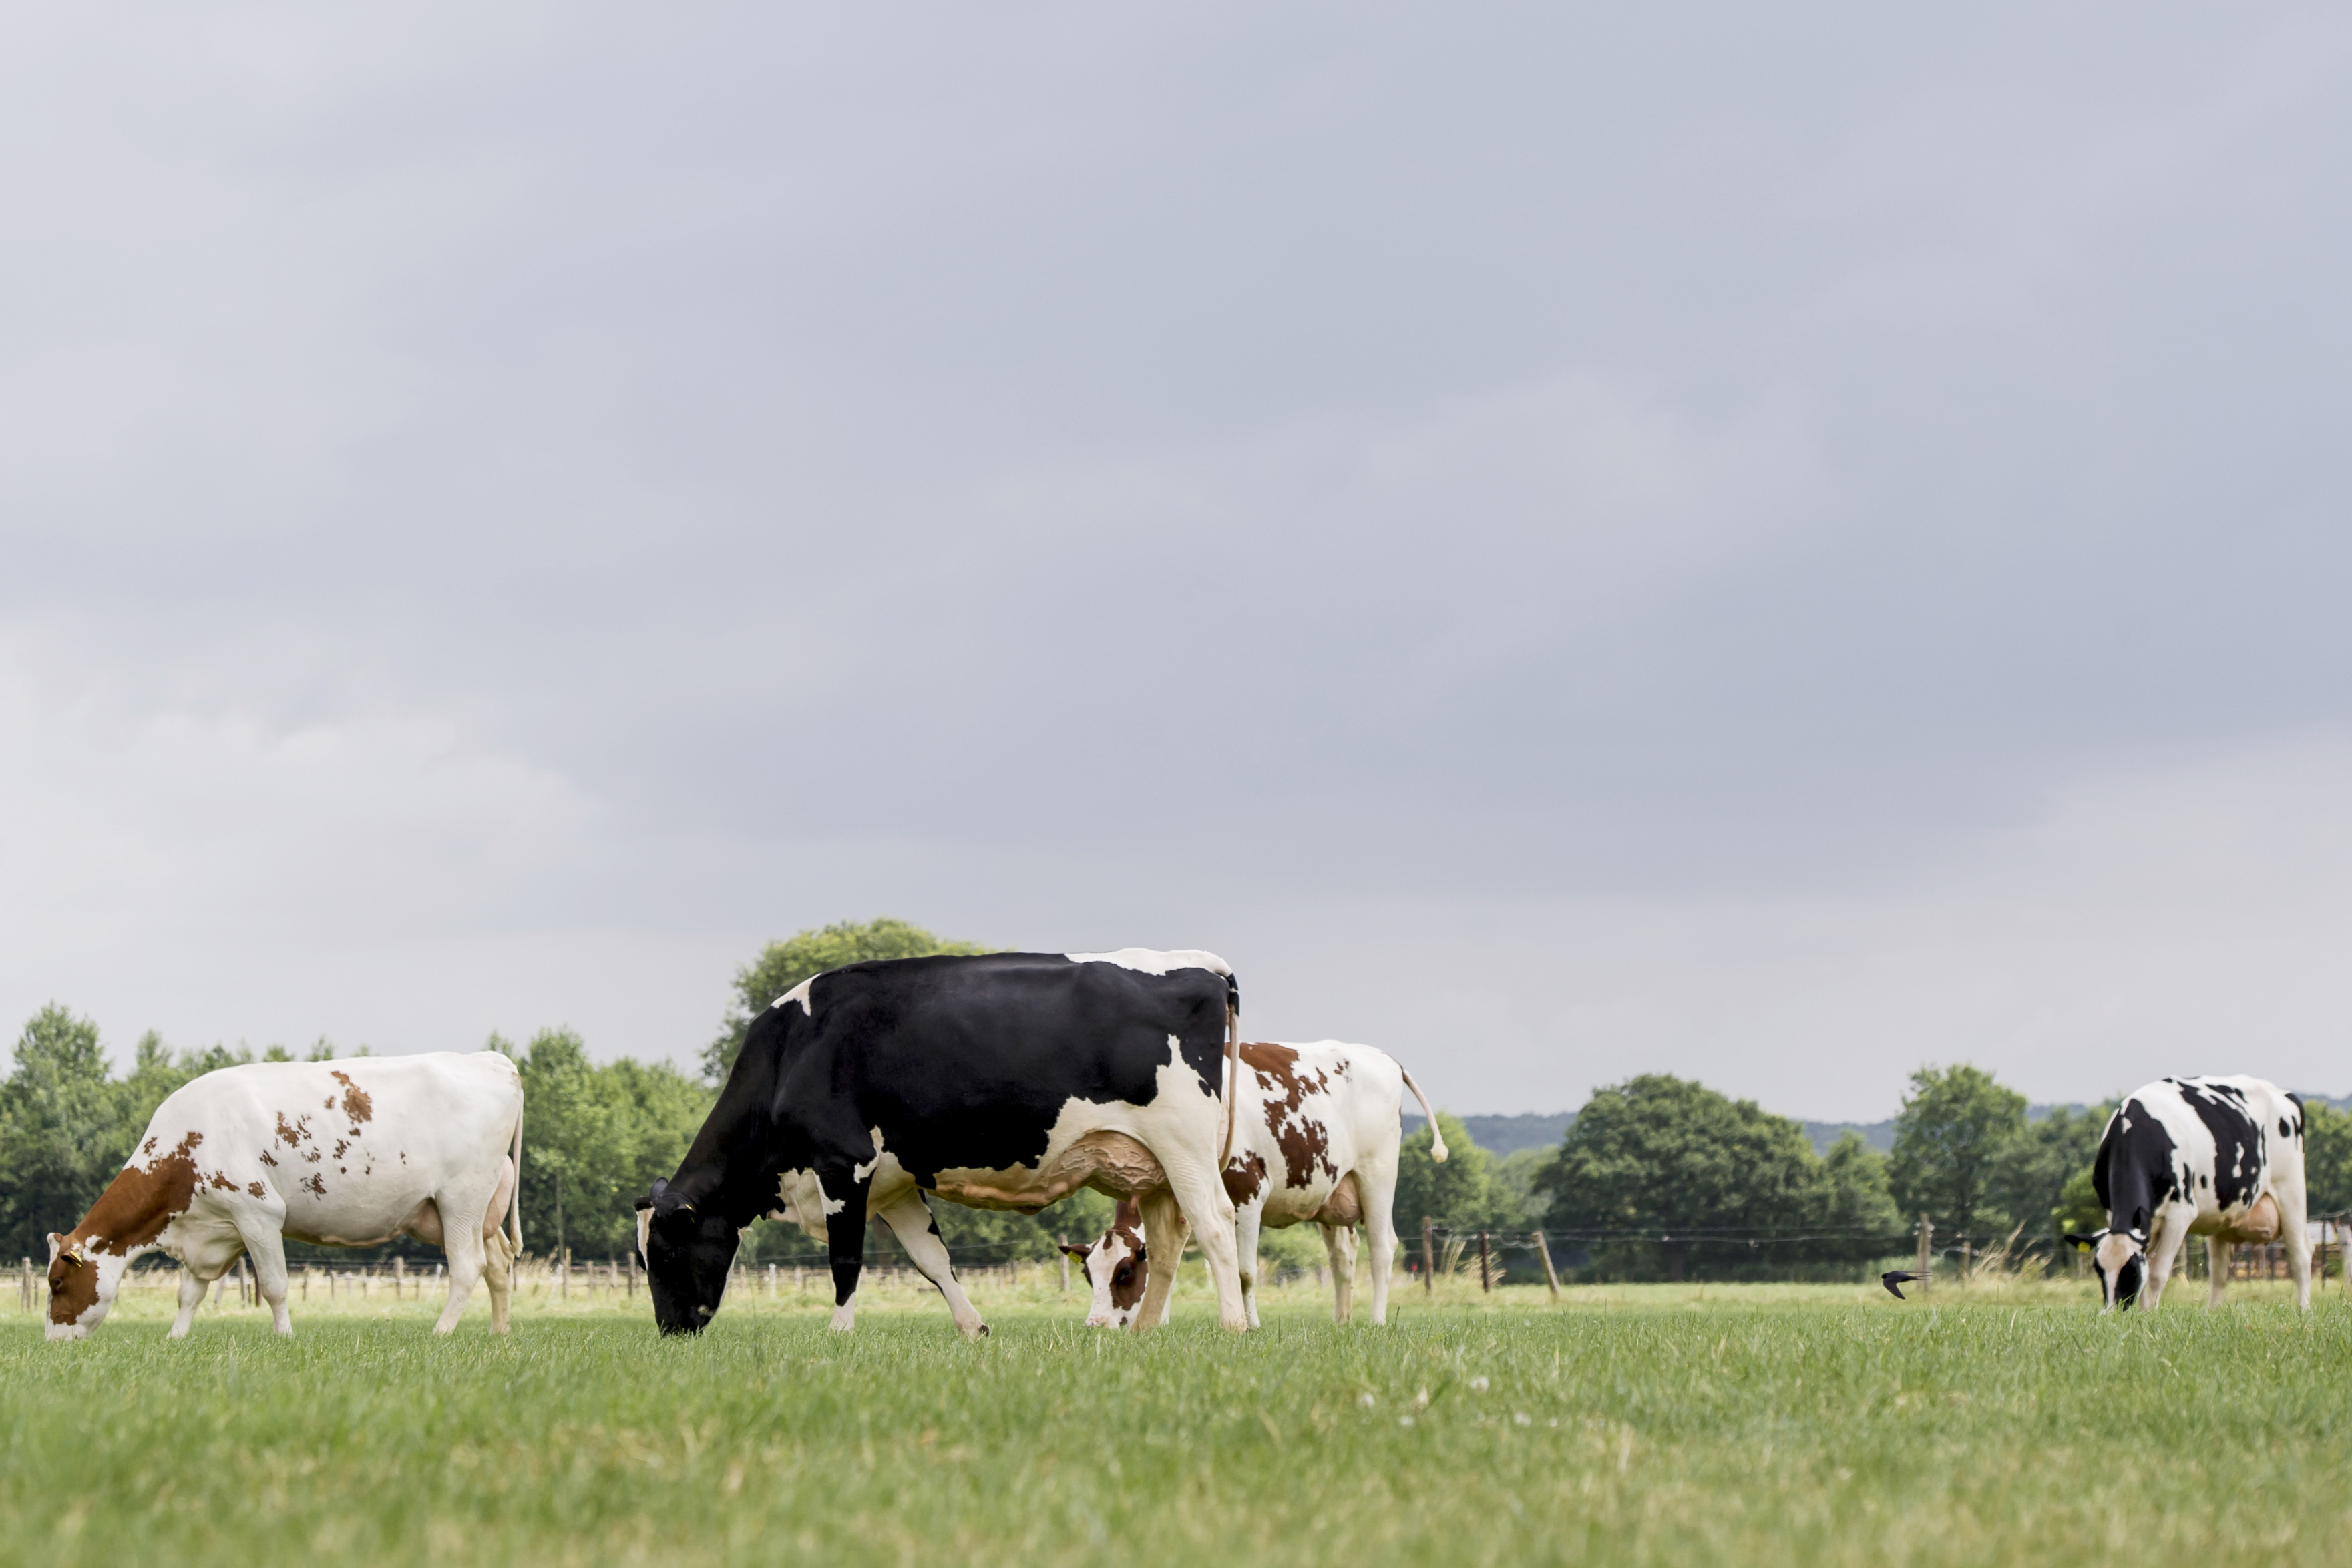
(1004, 1082)
(1315, 1138)
(347, 1154)
(2215, 1157)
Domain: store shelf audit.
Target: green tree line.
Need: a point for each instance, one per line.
(1657, 1177)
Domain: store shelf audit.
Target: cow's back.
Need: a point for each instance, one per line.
(349, 1146)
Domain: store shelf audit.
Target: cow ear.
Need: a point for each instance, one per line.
(1078, 1252)
(1139, 1253)
(645, 1202)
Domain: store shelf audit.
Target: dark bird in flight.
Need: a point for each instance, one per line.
(1894, 1279)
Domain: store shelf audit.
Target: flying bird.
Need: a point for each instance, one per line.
(1894, 1279)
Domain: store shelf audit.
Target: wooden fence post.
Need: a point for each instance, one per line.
(1543, 1252)
(1428, 1254)
(1484, 1283)
(1060, 1241)
(1926, 1254)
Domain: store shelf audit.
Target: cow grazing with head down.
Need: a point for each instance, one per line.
(345, 1154)
(1005, 1082)
(1315, 1138)
(2215, 1157)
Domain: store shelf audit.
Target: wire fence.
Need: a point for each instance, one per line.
(1554, 1256)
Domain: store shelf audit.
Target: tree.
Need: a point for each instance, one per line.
(61, 1132)
(1460, 1195)
(784, 964)
(2326, 1158)
(1860, 1204)
(2030, 1179)
(593, 1138)
(1665, 1155)
(1951, 1138)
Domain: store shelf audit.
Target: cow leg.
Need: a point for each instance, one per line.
(2164, 1237)
(2294, 1229)
(1203, 1201)
(2217, 1264)
(468, 1253)
(497, 1249)
(909, 1219)
(498, 1272)
(1248, 1219)
(1163, 1254)
(1377, 1191)
(191, 1296)
(845, 1234)
(268, 1250)
(1340, 1243)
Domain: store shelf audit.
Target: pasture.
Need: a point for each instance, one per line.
(1637, 1424)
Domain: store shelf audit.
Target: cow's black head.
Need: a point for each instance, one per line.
(687, 1256)
(2120, 1260)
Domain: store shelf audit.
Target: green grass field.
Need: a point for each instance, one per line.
(1759, 1424)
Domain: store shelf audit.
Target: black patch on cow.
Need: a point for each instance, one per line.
(961, 1062)
(2134, 1169)
(2239, 1154)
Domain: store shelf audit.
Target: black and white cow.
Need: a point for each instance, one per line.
(1004, 1082)
(2215, 1157)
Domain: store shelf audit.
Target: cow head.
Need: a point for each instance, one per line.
(1117, 1268)
(687, 1256)
(83, 1278)
(2119, 1257)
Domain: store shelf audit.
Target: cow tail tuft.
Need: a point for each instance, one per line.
(1436, 1134)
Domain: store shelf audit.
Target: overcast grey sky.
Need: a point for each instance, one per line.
(1773, 545)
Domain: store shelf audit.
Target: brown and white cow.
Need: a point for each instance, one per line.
(348, 1154)
(1315, 1138)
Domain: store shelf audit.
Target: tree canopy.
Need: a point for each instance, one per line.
(784, 964)
(1664, 1155)
(1953, 1140)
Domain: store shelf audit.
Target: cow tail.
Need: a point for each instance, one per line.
(514, 1209)
(1233, 1069)
(1436, 1134)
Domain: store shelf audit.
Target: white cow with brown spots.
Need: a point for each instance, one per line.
(347, 1154)
(1316, 1131)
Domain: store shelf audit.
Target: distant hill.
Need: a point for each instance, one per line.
(1508, 1134)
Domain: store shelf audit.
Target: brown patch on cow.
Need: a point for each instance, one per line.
(318, 1188)
(221, 1179)
(1304, 1141)
(356, 1103)
(312, 1156)
(256, 1188)
(131, 1214)
(342, 1144)
(1271, 1061)
(1132, 1273)
(292, 1133)
(148, 1147)
(1245, 1179)
(267, 1158)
